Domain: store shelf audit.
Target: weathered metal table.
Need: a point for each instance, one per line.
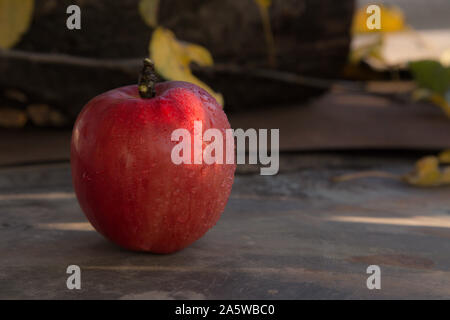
(297, 235)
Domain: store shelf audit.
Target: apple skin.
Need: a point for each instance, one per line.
(123, 175)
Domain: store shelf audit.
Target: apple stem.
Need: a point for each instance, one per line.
(147, 80)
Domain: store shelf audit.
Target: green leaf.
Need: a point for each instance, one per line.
(149, 11)
(172, 59)
(431, 75)
(15, 19)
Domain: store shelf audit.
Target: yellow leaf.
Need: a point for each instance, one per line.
(445, 58)
(441, 102)
(12, 118)
(426, 173)
(444, 156)
(392, 19)
(172, 59)
(263, 6)
(15, 18)
(149, 11)
(198, 54)
(264, 3)
(445, 179)
(368, 51)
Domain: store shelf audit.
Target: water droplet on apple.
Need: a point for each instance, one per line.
(85, 176)
(183, 217)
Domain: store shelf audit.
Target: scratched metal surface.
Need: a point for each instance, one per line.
(297, 235)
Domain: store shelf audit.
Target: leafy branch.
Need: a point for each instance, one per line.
(172, 57)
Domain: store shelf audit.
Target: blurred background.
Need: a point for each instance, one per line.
(364, 137)
(273, 64)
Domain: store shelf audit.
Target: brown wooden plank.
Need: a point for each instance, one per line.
(292, 236)
(353, 121)
(333, 122)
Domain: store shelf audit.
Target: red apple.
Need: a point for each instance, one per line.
(123, 174)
